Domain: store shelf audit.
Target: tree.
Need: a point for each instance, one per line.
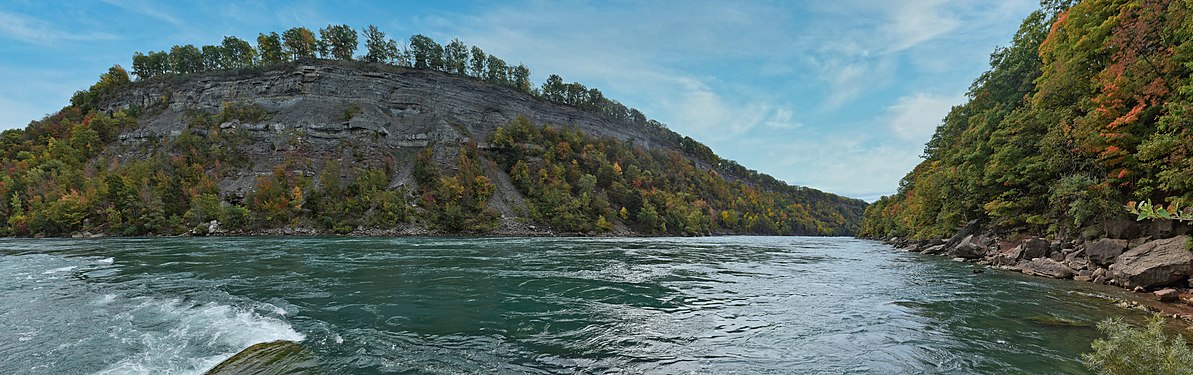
(378, 48)
(521, 75)
(339, 41)
(427, 53)
(213, 58)
(497, 71)
(300, 43)
(553, 89)
(237, 53)
(185, 59)
(142, 66)
(455, 57)
(115, 78)
(477, 63)
(270, 48)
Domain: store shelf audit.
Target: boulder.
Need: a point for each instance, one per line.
(1035, 248)
(1167, 295)
(276, 357)
(970, 228)
(1077, 260)
(1121, 228)
(1159, 262)
(934, 250)
(971, 247)
(1103, 252)
(1009, 257)
(1047, 268)
(1161, 228)
(1135, 242)
(1082, 278)
(1057, 256)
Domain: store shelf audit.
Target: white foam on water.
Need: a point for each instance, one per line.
(81, 326)
(106, 299)
(60, 269)
(191, 338)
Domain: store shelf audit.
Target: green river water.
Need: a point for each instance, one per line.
(532, 305)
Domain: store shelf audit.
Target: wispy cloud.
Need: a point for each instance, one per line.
(911, 23)
(916, 116)
(146, 8)
(32, 30)
(698, 109)
(782, 118)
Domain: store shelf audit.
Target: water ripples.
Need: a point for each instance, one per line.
(522, 305)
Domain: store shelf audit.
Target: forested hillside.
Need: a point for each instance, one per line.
(299, 135)
(1087, 109)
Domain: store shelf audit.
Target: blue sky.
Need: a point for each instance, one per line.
(837, 95)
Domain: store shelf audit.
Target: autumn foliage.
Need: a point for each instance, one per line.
(1087, 108)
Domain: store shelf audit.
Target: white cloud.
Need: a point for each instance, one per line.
(782, 118)
(843, 163)
(849, 80)
(699, 109)
(916, 116)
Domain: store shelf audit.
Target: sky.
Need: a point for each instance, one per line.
(836, 95)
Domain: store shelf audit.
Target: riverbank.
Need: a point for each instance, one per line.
(506, 228)
(1154, 258)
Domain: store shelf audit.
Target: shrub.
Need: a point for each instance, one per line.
(1145, 350)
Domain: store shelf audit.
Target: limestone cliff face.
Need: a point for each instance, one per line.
(404, 107)
(395, 111)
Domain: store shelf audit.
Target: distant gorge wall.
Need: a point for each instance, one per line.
(404, 107)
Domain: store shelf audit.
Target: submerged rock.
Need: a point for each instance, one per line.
(269, 358)
(1159, 262)
(1049, 320)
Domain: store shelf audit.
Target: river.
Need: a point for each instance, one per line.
(532, 305)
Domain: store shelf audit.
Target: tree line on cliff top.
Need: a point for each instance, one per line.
(1088, 108)
(59, 180)
(340, 42)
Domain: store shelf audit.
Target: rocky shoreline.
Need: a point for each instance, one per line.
(1156, 258)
